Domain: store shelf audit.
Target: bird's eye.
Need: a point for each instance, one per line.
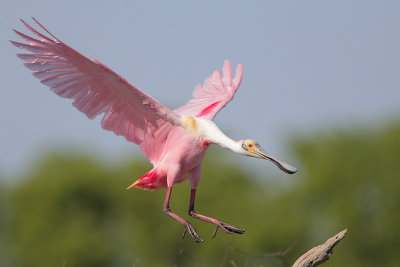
(250, 145)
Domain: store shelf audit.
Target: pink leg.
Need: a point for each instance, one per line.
(188, 227)
(230, 229)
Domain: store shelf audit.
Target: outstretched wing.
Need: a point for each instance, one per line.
(96, 89)
(216, 92)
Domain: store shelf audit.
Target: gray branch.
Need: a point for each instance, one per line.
(320, 253)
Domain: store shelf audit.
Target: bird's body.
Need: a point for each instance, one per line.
(174, 141)
(193, 140)
(185, 157)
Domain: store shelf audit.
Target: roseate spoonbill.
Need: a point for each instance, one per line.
(174, 141)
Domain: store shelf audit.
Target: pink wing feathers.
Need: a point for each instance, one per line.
(96, 89)
(216, 92)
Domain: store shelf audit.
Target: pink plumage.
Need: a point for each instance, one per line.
(174, 141)
(129, 112)
(216, 92)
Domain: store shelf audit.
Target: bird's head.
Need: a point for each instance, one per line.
(253, 149)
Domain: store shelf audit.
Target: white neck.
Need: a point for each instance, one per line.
(210, 131)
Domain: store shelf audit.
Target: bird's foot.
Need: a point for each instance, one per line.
(190, 229)
(226, 227)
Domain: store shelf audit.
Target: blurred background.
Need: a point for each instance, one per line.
(320, 91)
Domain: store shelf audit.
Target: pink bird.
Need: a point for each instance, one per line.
(174, 141)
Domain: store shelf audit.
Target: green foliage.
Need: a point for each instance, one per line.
(74, 210)
(352, 180)
(4, 222)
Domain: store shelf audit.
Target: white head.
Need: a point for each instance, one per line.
(252, 149)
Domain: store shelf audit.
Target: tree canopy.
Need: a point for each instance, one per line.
(73, 209)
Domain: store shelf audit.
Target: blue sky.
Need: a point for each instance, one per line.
(307, 65)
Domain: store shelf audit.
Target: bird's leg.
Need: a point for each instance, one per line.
(230, 229)
(188, 227)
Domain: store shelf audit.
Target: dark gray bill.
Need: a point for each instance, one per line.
(281, 165)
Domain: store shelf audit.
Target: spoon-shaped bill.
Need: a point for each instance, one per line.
(281, 165)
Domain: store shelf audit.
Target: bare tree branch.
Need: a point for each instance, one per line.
(321, 253)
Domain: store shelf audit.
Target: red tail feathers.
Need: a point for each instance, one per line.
(150, 181)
